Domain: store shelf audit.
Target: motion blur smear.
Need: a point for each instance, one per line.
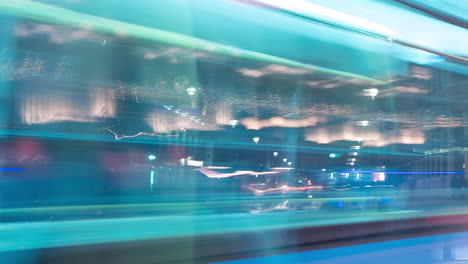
(233, 131)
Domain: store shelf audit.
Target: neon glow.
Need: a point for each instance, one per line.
(12, 169)
(407, 172)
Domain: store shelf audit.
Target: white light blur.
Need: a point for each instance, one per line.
(256, 124)
(217, 167)
(313, 10)
(251, 73)
(289, 163)
(174, 119)
(369, 137)
(324, 169)
(256, 139)
(272, 69)
(282, 168)
(283, 189)
(285, 160)
(275, 153)
(233, 122)
(191, 90)
(363, 123)
(214, 174)
(194, 163)
(372, 92)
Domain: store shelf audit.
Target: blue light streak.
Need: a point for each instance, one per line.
(405, 172)
(12, 169)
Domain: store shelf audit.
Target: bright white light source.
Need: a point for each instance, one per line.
(324, 169)
(363, 123)
(372, 92)
(233, 122)
(306, 8)
(289, 163)
(355, 147)
(285, 159)
(256, 139)
(194, 163)
(191, 90)
(275, 153)
(151, 157)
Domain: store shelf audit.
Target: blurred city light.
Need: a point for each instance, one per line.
(372, 92)
(91, 90)
(191, 90)
(233, 122)
(363, 123)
